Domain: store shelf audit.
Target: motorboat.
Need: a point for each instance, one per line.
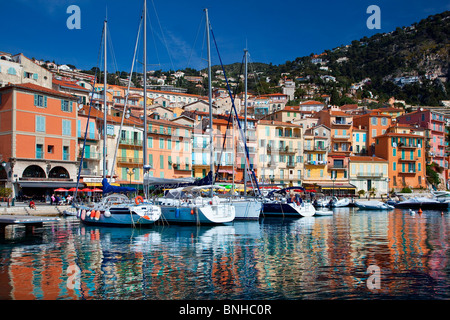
(373, 205)
(321, 203)
(280, 208)
(323, 212)
(422, 203)
(336, 203)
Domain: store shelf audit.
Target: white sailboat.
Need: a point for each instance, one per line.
(185, 205)
(117, 209)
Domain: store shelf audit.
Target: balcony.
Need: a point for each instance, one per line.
(316, 163)
(408, 160)
(406, 146)
(130, 161)
(316, 148)
(179, 167)
(340, 137)
(90, 156)
(338, 167)
(342, 123)
(131, 142)
(290, 164)
(369, 174)
(281, 150)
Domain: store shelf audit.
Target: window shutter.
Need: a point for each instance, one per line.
(36, 100)
(71, 106)
(45, 101)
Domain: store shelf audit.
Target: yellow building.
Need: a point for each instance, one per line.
(315, 148)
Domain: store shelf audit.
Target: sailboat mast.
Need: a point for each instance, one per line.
(245, 121)
(144, 142)
(210, 103)
(105, 108)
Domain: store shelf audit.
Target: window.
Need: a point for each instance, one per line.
(384, 121)
(374, 121)
(66, 156)
(40, 123)
(66, 106)
(12, 71)
(66, 127)
(40, 101)
(161, 143)
(39, 151)
(50, 149)
(394, 166)
(161, 162)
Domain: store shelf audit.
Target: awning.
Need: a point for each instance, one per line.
(98, 184)
(337, 186)
(49, 184)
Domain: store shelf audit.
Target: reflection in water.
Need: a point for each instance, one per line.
(309, 258)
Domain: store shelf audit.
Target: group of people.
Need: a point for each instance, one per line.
(54, 200)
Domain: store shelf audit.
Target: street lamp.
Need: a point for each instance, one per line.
(130, 172)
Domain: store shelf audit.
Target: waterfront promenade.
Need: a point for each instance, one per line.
(21, 208)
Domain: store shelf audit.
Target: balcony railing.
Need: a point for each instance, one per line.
(281, 150)
(342, 123)
(316, 163)
(131, 142)
(369, 174)
(316, 148)
(130, 160)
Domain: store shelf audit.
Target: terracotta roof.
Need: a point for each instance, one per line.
(36, 88)
(367, 159)
(69, 85)
(311, 102)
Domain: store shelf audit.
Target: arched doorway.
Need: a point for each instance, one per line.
(34, 172)
(59, 173)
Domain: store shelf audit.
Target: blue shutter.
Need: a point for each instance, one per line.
(36, 100)
(45, 101)
(79, 129)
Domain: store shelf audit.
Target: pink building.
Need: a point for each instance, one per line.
(434, 123)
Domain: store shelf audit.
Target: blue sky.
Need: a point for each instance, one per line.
(273, 31)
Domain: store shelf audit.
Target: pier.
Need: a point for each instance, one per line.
(30, 222)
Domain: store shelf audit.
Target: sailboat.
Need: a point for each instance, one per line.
(185, 205)
(246, 208)
(117, 209)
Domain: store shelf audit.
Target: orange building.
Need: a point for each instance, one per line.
(38, 138)
(376, 123)
(406, 155)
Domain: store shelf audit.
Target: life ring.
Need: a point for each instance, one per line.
(138, 199)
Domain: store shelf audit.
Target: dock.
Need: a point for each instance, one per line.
(29, 221)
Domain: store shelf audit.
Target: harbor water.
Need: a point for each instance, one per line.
(316, 258)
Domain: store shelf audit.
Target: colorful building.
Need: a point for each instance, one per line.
(280, 148)
(375, 123)
(404, 149)
(434, 124)
(369, 173)
(316, 145)
(38, 138)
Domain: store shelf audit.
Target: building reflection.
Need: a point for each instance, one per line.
(323, 257)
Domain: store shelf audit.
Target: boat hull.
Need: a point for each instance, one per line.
(423, 205)
(247, 210)
(212, 214)
(120, 216)
(288, 210)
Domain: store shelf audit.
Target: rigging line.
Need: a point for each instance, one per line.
(89, 115)
(228, 123)
(195, 42)
(112, 52)
(126, 97)
(163, 36)
(234, 108)
(154, 40)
